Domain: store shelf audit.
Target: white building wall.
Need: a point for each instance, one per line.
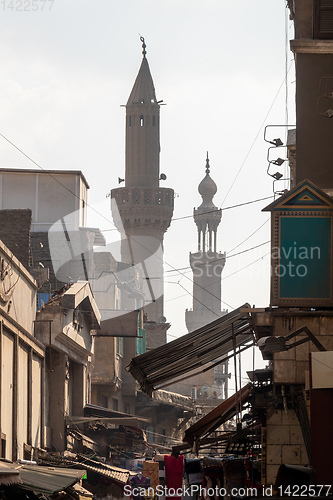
(36, 401)
(50, 195)
(7, 386)
(22, 431)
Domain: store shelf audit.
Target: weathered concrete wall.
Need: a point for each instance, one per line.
(18, 290)
(303, 18)
(57, 403)
(106, 362)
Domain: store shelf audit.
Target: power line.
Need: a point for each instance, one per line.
(74, 194)
(255, 139)
(54, 178)
(254, 232)
(228, 276)
(96, 211)
(249, 249)
(242, 269)
(216, 260)
(203, 214)
(216, 314)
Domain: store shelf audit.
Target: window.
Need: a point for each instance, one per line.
(323, 26)
(105, 401)
(77, 319)
(3, 445)
(120, 346)
(154, 121)
(141, 341)
(142, 121)
(130, 121)
(115, 404)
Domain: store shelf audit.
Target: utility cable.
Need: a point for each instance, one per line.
(255, 139)
(54, 178)
(96, 211)
(199, 215)
(216, 260)
(252, 234)
(99, 213)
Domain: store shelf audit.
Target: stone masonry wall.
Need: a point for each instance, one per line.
(285, 443)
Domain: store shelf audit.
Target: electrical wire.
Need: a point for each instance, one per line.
(183, 217)
(54, 178)
(197, 300)
(216, 260)
(255, 140)
(252, 234)
(96, 211)
(245, 267)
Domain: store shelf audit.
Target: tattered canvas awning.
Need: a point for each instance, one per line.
(193, 353)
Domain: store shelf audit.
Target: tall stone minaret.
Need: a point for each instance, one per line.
(207, 265)
(142, 210)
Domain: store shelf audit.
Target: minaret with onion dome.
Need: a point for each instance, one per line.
(207, 265)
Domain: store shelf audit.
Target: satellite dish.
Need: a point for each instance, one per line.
(163, 177)
(120, 180)
(162, 319)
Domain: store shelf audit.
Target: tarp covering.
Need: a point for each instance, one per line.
(168, 363)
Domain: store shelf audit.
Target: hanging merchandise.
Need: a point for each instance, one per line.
(193, 471)
(174, 468)
(150, 470)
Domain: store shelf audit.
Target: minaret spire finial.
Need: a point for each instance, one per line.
(143, 46)
(207, 165)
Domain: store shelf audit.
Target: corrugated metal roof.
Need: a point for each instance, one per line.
(191, 352)
(109, 471)
(8, 474)
(223, 412)
(47, 480)
(99, 411)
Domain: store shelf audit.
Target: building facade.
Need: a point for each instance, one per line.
(298, 426)
(22, 362)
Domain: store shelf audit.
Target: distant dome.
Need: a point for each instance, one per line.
(207, 188)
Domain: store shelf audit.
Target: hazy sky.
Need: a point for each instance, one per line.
(67, 66)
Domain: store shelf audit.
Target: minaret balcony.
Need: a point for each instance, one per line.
(143, 196)
(139, 206)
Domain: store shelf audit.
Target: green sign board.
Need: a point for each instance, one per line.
(301, 253)
(304, 256)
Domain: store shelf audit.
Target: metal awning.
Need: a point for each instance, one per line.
(8, 474)
(47, 480)
(190, 353)
(105, 470)
(218, 416)
(107, 415)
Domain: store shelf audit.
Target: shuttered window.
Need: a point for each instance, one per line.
(323, 26)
